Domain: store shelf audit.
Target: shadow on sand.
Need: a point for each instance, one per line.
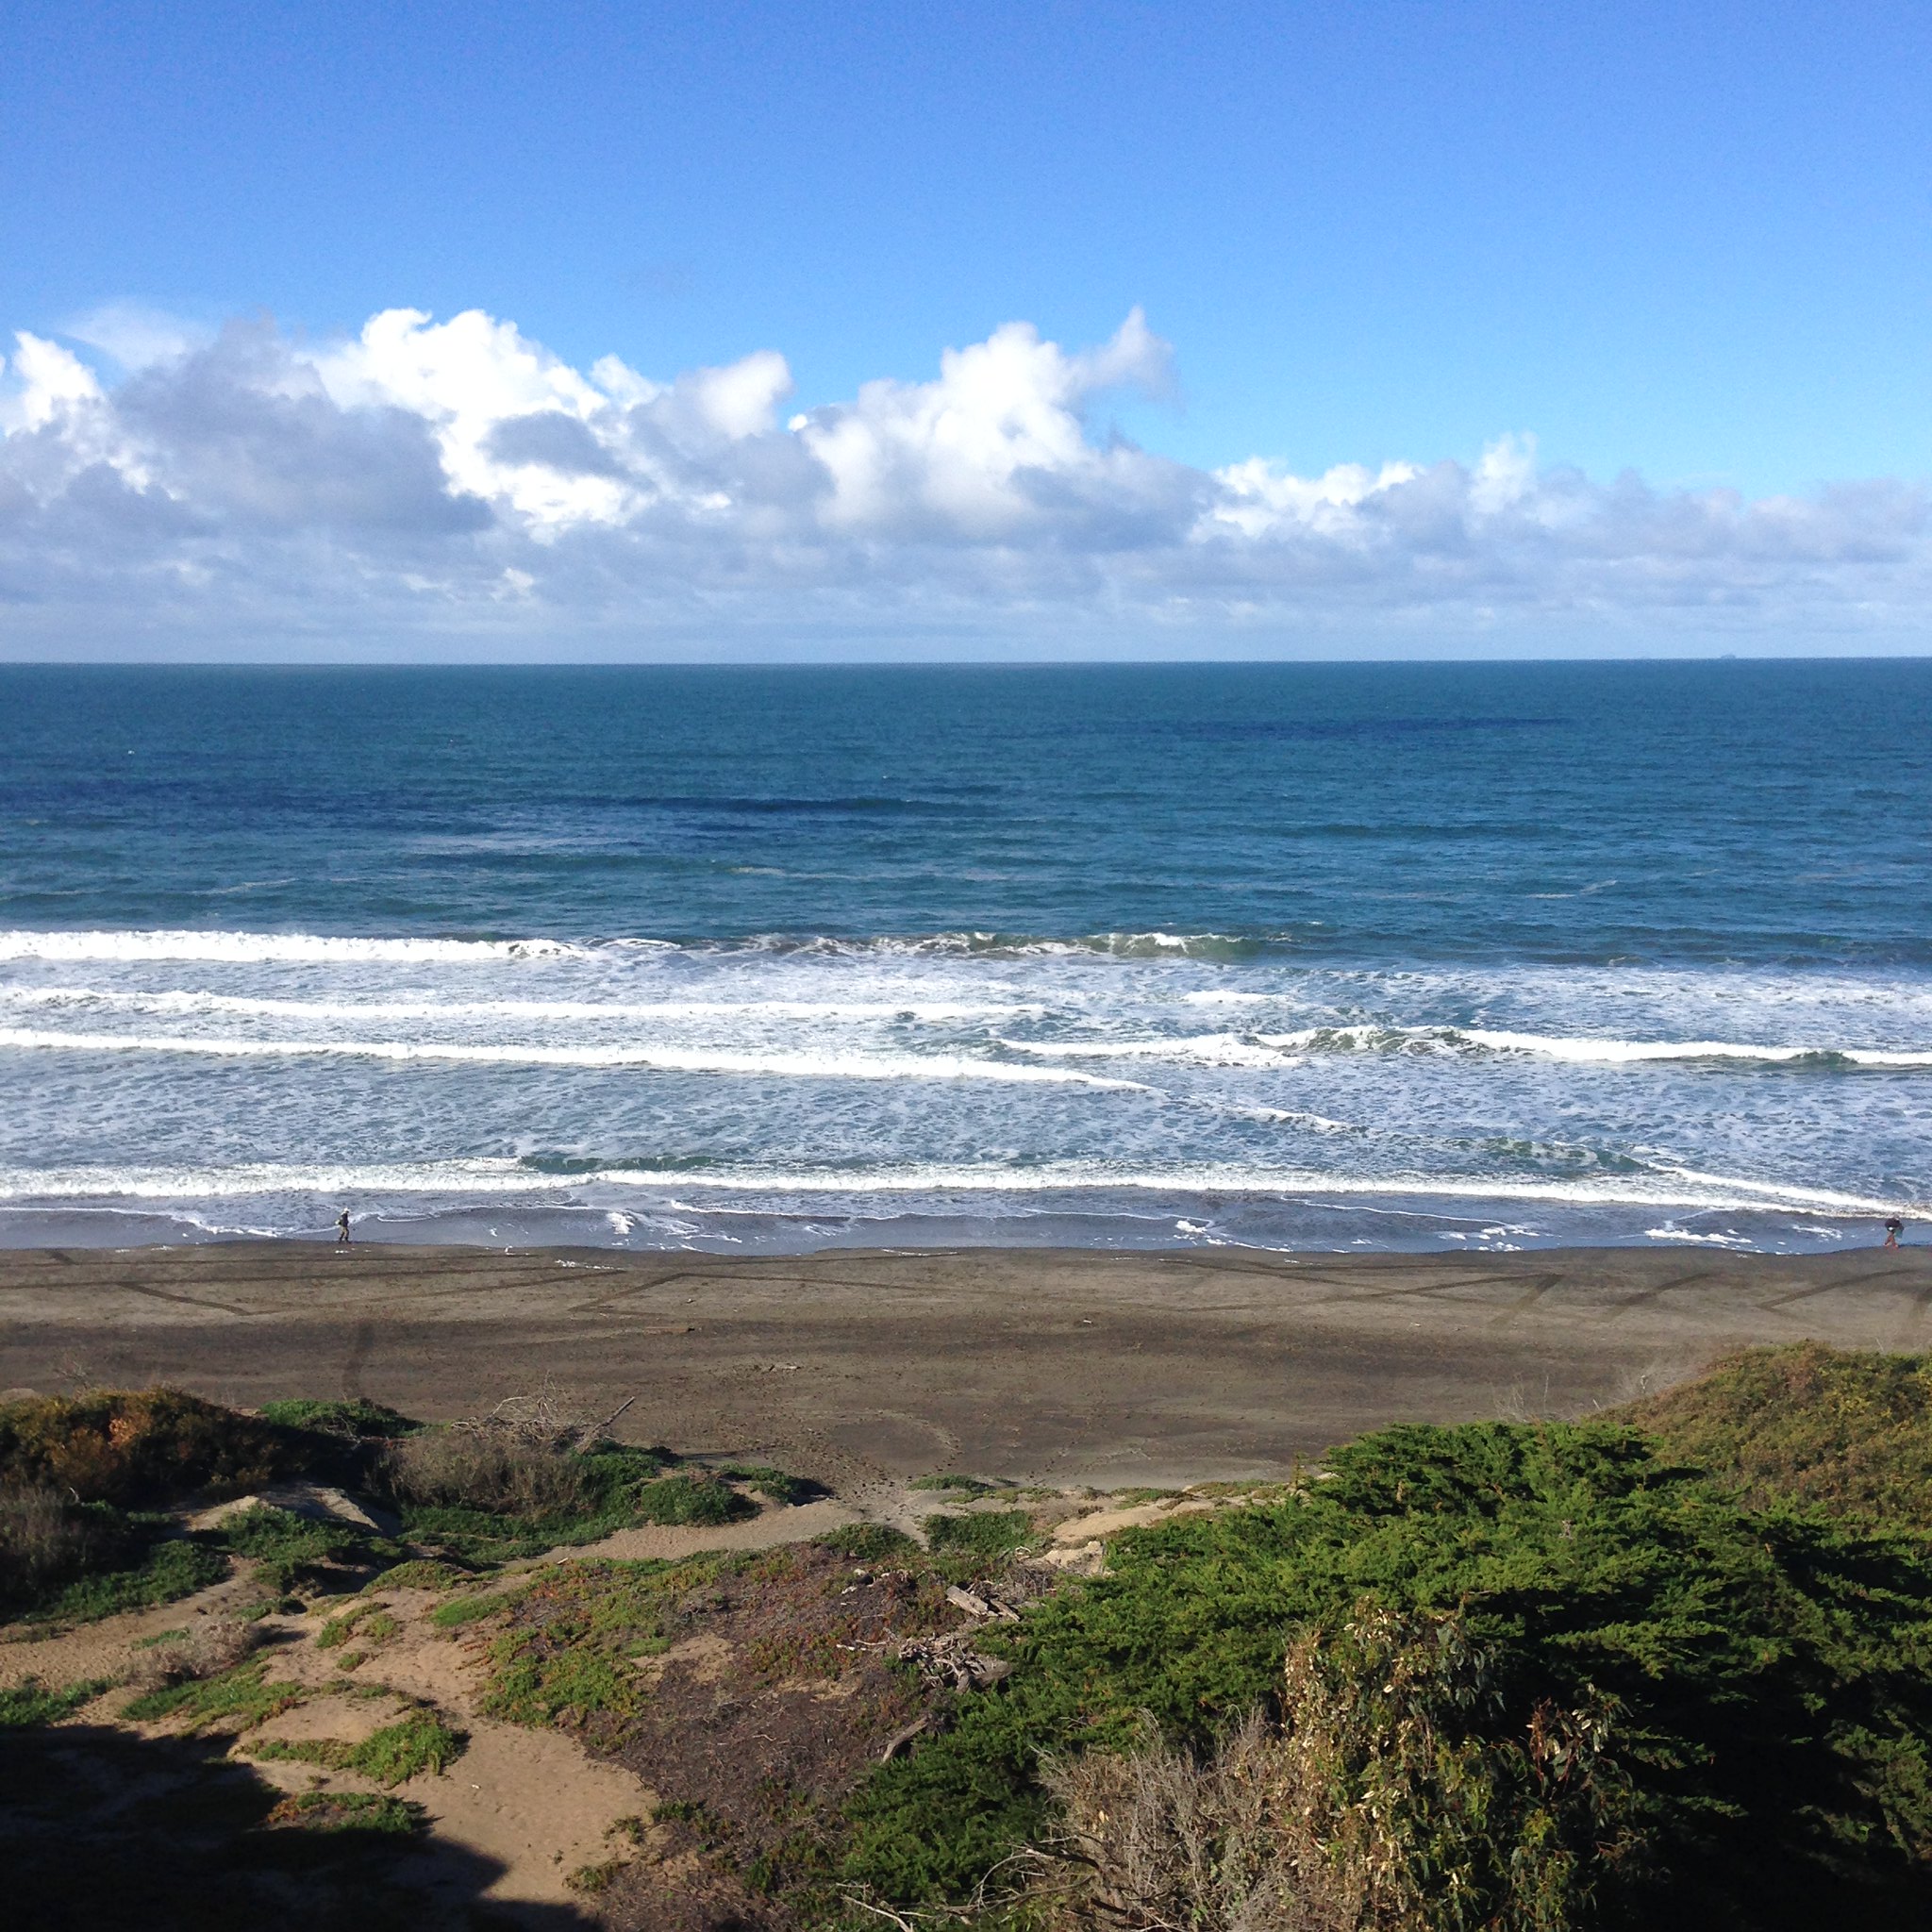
(101, 1828)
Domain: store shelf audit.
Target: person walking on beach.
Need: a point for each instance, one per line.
(342, 1229)
(1893, 1228)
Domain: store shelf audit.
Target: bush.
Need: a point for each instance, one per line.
(772, 1484)
(186, 1656)
(417, 1743)
(288, 1550)
(1777, 1728)
(356, 1421)
(229, 1702)
(1851, 1431)
(869, 1542)
(420, 1573)
(459, 1610)
(351, 1811)
(987, 1534)
(462, 1468)
(1400, 1790)
(155, 1446)
(46, 1539)
(693, 1497)
(155, 1569)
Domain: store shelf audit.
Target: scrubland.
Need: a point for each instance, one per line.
(322, 1665)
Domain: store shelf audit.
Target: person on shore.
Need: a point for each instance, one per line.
(342, 1229)
(1893, 1228)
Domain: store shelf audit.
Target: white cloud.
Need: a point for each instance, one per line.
(48, 383)
(443, 479)
(138, 336)
(988, 451)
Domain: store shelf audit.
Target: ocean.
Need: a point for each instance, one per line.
(1400, 957)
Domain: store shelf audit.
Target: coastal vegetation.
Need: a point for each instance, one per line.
(1666, 1667)
(92, 1490)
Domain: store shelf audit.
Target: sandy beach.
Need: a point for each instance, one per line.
(853, 1367)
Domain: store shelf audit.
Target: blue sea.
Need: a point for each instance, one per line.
(1398, 956)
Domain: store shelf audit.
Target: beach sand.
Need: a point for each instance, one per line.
(857, 1367)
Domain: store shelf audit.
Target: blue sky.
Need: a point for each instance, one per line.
(1693, 242)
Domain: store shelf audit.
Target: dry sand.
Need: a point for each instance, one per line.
(1059, 1367)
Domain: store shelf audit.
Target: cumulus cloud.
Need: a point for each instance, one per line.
(452, 480)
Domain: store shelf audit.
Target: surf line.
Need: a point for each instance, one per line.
(656, 1059)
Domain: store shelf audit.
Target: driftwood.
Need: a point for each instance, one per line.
(952, 1663)
(586, 1436)
(550, 1419)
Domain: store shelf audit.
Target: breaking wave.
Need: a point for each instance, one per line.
(1581, 1051)
(292, 948)
(1680, 1190)
(180, 1002)
(795, 1066)
(251, 948)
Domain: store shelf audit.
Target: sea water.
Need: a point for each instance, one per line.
(1445, 957)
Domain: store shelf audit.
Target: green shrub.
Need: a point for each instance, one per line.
(1778, 1728)
(1848, 1430)
(359, 1421)
(576, 1632)
(415, 1743)
(869, 1542)
(153, 1446)
(171, 1568)
(691, 1497)
(468, 1609)
(772, 1484)
(288, 1549)
(369, 1622)
(986, 1535)
(420, 1573)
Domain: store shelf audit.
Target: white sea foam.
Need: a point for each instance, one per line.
(1200, 1049)
(1581, 1051)
(490, 1177)
(183, 1001)
(999, 945)
(797, 1066)
(1267, 1049)
(1614, 1052)
(291, 948)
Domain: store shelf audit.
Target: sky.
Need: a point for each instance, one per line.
(1100, 329)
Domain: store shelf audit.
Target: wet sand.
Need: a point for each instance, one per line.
(1051, 1366)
